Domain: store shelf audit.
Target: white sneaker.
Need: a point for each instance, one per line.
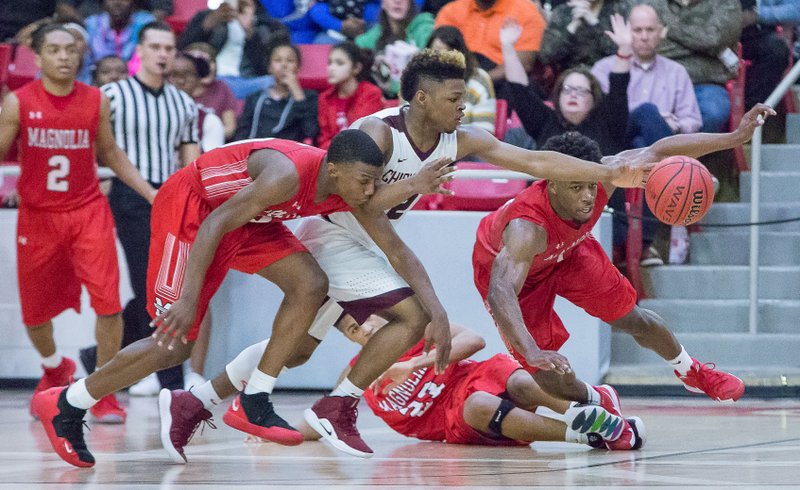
(192, 379)
(149, 386)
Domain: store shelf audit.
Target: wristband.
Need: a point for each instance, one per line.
(624, 57)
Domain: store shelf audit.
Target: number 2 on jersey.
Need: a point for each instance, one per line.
(57, 177)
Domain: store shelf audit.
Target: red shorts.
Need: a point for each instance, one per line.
(57, 251)
(489, 376)
(177, 214)
(587, 278)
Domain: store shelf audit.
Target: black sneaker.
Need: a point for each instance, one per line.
(63, 424)
(253, 414)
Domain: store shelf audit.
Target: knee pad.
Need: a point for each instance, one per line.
(497, 417)
(240, 369)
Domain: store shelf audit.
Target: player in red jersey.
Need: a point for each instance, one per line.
(490, 403)
(539, 245)
(222, 212)
(65, 232)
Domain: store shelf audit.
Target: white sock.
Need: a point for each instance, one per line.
(592, 396)
(682, 363)
(53, 361)
(242, 367)
(259, 382)
(574, 436)
(347, 388)
(79, 397)
(206, 394)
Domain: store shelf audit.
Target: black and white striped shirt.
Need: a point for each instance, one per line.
(149, 125)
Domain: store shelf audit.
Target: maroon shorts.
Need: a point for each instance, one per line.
(57, 252)
(177, 214)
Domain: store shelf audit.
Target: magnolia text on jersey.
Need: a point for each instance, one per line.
(401, 394)
(59, 139)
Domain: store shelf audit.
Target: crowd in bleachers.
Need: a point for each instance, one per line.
(620, 72)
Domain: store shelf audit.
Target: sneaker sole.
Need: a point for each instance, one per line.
(164, 413)
(61, 451)
(109, 419)
(735, 397)
(640, 430)
(278, 435)
(313, 421)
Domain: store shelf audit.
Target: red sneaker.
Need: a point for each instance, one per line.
(633, 436)
(60, 375)
(254, 415)
(334, 418)
(63, 424)
(108, 411)
(718, 385)
(609, 399)
(181, 413)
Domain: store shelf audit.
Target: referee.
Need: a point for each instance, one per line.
(156, 125)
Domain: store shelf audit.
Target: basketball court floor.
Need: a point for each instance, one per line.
(691, 443)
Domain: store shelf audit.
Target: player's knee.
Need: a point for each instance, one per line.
(638, 322)
(312, 289)
(479, 408)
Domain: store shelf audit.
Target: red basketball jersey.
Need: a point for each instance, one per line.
(417, 408)
(223, 172)
(56, 147)
(533, 204)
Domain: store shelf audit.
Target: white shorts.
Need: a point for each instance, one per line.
(361, 280)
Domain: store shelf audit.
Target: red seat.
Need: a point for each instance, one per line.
(23, 69)
(7, 182)
(5, 59)
(480, 195)
(735, 89)
(314, 66)
(501, 119)
(183, 11)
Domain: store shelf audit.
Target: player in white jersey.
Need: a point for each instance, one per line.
(416, 140)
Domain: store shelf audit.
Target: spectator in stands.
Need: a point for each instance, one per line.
(82, 42)
(350, 96)
(578, 99)
(109, 69)
(767, 52)
(187, 70)
(480, 104)
(480, 22)
(18, 15)
(213, 93)
(661, 96)
(575, 34)
(398, 22)
(295, 14)
(116, 29)
(239, 35)
(338, 20)
(284, 110)
(702, 36)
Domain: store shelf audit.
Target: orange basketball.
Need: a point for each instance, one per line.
(679, 191)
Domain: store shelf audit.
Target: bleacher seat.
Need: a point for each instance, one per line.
(23, 69)
(501, 119)
(183, 11)
(6, 50)
(314, 66)
(480, 195)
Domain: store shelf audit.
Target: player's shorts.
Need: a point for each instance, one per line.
(587, 278)
(490, 376)
(177, 214)
(57, 252)
(361, 281)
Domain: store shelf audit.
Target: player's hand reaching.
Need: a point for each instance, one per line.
(549, 360)
(626, 174)
(430, 178)
(175, 323)
(437, 334)
(754, 118)
(396, 375)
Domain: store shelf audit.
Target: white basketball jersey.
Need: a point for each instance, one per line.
(406, 161)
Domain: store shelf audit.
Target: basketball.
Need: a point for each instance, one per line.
(679, 191)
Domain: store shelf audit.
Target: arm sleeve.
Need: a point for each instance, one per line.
(191, 132)
(617, 104)
(601, 71)
(307, 110)
(710, 33)
(321, 14)
(532, 111)
(780, 12)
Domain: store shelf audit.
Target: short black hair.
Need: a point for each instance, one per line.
(431, 65)
(155, 25)
(201, 67)
(354, 145)
(576, 145)
(279, 41)
(41, 32)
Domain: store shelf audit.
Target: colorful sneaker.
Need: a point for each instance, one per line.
(586, 419)
(108, 411)
(633, 437)
(63, 424)
(609, 399)
(254, 415)
(181, 413)
(334, 418)
(60, 375)
(718, 385)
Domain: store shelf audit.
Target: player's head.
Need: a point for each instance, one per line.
(187, 71)
(109, 69)
(156, 49)
(576, 93)
(360, 334)
(354, 164)
(56, 52)
(573, 200)
(433, 82)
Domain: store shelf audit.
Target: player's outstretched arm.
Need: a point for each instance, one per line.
(114, 158)
(523, 241)
(406, 263)
(428, 180)
(546, 164)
